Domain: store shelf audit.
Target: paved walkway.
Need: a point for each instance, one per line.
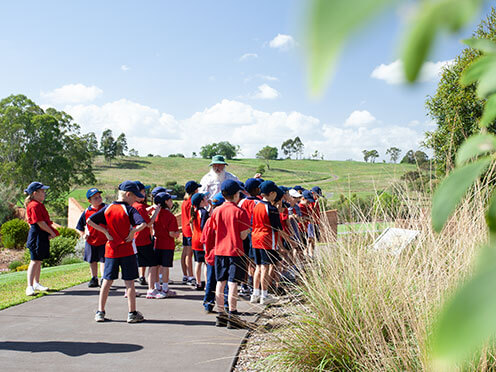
(58, 332)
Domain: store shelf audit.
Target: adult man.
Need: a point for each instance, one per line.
(212, 180)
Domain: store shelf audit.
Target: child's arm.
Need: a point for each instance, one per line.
(134, 230)
(174, 234)
(99, 228)
(44, 226)
(244, 234)
(154, 217)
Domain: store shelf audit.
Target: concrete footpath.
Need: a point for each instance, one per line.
(58, 332)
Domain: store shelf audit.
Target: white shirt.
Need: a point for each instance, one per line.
(211, 182)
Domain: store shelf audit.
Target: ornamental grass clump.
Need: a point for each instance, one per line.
(356, 309)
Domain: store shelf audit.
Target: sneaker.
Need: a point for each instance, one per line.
(209, 310)
(39, 287)
(221, 320)
(30, 291)
(254, 299)
(169, 293)
(100, 316)
(185, 279)
(269, 299)
(235, 322)
(142, 281)
(155, 294)
(135, 317)
(93, 283)
(200, 287)
(192, 282)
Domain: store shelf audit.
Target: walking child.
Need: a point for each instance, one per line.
(199, 216)
(191, 188)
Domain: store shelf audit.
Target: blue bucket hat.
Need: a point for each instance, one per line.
(34, 186)
(218, 199)
(218, 159)
(132, 187)
(92, 192)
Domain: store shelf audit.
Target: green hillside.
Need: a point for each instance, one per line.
(332, 176)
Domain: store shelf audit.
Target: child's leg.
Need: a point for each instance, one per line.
(37, 272)
(209, 298)
(152, 277)
(131, 295)
(256, 277)
(184, 260)
(198, 267)
(94, 269)
(233, 295)
(264, 277)
(32, 272)
(102, 266)
(219, 295)
(142, 271)
(165, 275)
(189, 262)
(104, 291)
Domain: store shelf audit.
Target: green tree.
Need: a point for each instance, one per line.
(121, 145)
(223, 148)
(267, 153)
(108, 146)
(298, 147)
(373, 154)
(133, 153)
(415, 157)
(41, 145)
(91, 143)
(287, 148)
(394, 153)
(365, 155)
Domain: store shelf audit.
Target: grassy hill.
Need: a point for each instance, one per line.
(332, 176)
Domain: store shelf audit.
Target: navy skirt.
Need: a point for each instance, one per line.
(38, 243)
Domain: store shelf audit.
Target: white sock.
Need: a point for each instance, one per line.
(265, 293)
(157, 286)
(256, 292)
(30, 287)
(191, 277)
(165, 287)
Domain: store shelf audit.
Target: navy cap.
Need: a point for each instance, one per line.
(92, 192)
(308, 195)
(141, 186)
(158, 189)
(197, 199)
(299, 188)
(266, 187)
(317, 190)
(218, 199)
(242, 185)
(34, 186)
(191, 186)
(280, 194)
(284, 189)
(230, 187)
(131, 186)
(252, 183)
(162, 197)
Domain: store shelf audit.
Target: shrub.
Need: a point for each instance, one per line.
(261, 169)
(7, 201)
(22, 268)
(60, 247)
(15, 264)
(68, 232)
(68, 260)
(14, 233)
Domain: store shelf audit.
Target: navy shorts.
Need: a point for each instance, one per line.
(199, 256)
(165, 257)
(127, 264)
(38, 243)
(187, 242)
(146, 256)
(266, 256)
(229, 268)
(94, 253)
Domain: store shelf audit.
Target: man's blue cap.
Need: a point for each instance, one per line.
(299, 188)
(131, 186)
(34, 186)
(307, 194)
(266, 187)
(191, 186)
(141, 186)
(197, 199)
(252, 183)
(317, 190)
(92, 192)
(230, 187)
(162, 197)
(218, 199)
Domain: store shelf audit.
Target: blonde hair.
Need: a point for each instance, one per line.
(28, 199)
(121, 194)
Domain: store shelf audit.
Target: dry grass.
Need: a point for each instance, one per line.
(362, 310)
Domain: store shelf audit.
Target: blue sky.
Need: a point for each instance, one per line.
(172, 76)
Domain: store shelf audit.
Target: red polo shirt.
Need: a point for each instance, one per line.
(228, 221)
(186, 217)
(36, 212)
(95, 238)
(143, 237)
(266, 226)
(248, 204)
(208, 239)
(165, 223)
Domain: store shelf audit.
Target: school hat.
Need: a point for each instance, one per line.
(162, 197)
(191, 186)
(280, 194)
(218, 159)
(92, 192)
(252, 183)
(317, 190)
(307, 194)
(299, 188)
(295, 193)
(34, 186)
(132, 187)
(158, 189)
(284, 189)
(266, 187)
(197, 199)
(141, 186)
(230, 187)
(218, 199)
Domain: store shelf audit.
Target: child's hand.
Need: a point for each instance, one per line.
(130, 237)
(52, 235)
(109, 237)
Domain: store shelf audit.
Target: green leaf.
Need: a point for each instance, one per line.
(476, 145)
(467, 320)
(484, 45)
(487, 82)
(453, 188)
(477, 69)
(491, 215)
(330, 24)
(489, 114)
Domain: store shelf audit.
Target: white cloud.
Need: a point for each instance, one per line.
(72, 93)
(125, 68)
(247, 56)
(261, 77)
(282, 42)
(359, 118)
(393, 72)
(265, 92)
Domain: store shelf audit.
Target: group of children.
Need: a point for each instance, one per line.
(242, 235)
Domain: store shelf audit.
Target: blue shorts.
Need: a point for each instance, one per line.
(165, 257)
(199, 256)
(310, 230)
(146, 256)
(266, 256)
(229, 268)
(38, 243)
(128, 265)
(94, 253)
(187, 242)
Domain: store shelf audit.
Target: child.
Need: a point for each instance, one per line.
(94, 248)
(264, 237)
(231, 226)
(122, 221)
(146, 254)
(191, 188)
(199, 216)
(317, 194)
(306, 213)
(166, 231)
(39, 234)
